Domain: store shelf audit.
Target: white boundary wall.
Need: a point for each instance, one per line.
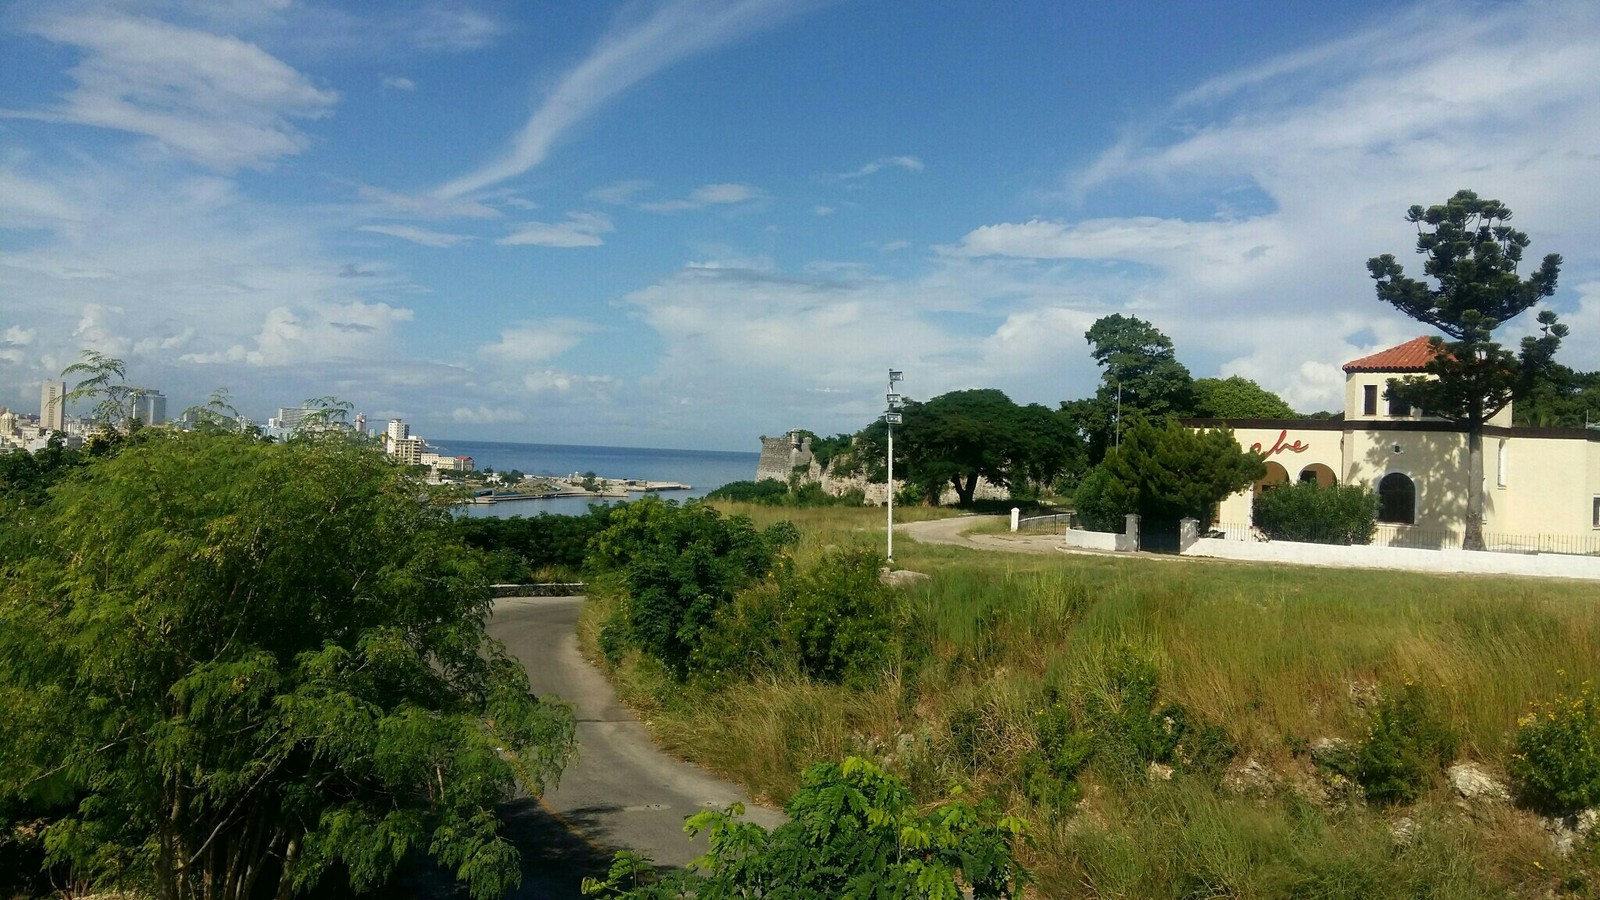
(1544, 565)
(1098, 540)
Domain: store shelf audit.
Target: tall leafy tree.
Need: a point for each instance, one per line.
(1141, 378)
(242, 666)
(1472, 287)
(1237, 397)
(103, 379)
(957, 438)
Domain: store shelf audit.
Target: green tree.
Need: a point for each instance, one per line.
(673, 567)
(1472, 259)
(244, 666)
(103, 380)
(1562, 398)
(215, 415)
(1336, 514)
(854, 834)
(1237, 397)
(957, 438)
(1170, 472)
(1141, 378)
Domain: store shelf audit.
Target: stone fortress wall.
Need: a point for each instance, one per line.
(789, 456)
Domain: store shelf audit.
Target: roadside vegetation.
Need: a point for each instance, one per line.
(1167, 728)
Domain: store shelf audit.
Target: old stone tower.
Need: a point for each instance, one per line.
(780, 456)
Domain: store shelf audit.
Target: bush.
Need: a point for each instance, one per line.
(1555, 763)
(675, 566)
(1049, 773)
(1405, 747)
(519, 546)
(834, 622)
(853, 831)
(1102, 502)
(772, 492)
(1132, 730)
(1338, 514)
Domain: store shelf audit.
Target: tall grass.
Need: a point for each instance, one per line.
(1279, 657)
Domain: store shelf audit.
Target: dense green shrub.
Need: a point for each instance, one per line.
(1133, 728)
(772, 492)
(1102, 502)
(1555, 764)
(1048, 774)
(673, 567)
(518, 547)
(833, 621)
(853, 832)
(1405, 748)
(1337, 514)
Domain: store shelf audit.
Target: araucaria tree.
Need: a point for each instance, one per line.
(1472, 258)
(230, 668)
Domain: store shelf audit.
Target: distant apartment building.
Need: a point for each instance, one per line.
(150, 408)
(53, 406)
(441, 462)
(396, 431)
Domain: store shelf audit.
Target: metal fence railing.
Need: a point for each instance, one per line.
(1410, 536)
(1055, 523)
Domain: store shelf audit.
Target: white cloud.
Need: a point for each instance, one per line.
(1291, 173)
(387, 202)
(708, 195)
(676, 30)
(580, 229)
(549, 381)
(398, 82)
(619, 193)
(418, 235)
(536, 342)
(484, 415)
(908, 163)
(215, 99)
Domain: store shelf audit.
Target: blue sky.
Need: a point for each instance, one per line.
(691, 222)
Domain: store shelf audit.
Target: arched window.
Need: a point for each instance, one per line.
(1397, 500)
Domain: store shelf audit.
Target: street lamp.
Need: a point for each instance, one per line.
(891, 418)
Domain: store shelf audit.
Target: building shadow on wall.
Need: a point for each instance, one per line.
(1434, 462)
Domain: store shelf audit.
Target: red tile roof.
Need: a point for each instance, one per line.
(1412, 356)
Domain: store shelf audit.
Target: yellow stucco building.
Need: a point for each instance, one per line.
(1541, 485)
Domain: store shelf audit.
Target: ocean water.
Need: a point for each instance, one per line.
(703, 470)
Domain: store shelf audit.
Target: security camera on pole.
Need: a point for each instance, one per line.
(891, 418)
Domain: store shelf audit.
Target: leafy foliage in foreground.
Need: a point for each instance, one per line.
(242, 666)
(1556, 761)
(853, 833)
(772, 492)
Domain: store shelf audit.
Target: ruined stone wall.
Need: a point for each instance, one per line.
(780, 456)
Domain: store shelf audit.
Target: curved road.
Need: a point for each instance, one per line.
(955, 530)
(621, 792)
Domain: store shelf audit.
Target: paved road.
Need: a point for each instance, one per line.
(621, 791)
(954, 531)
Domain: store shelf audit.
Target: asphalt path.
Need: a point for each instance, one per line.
(621, 792)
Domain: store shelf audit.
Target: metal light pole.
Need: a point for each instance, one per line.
(891, 418)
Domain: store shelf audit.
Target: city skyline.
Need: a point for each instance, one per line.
(685, 223)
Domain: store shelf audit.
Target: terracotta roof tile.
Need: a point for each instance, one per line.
(1412, 356)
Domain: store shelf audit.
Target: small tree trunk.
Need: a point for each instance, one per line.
(1473, 538)
(964, 488)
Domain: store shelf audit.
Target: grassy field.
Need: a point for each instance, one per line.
(1276, 658)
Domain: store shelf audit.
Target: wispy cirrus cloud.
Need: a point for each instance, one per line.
(580, 229)
(421, 236)
(215, 99)
(908, 163)
(707, 195)
(624, 57)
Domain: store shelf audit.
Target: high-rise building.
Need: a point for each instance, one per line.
(397, 431)
(150, 407)
(53, 406)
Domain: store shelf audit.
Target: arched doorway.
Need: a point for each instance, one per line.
(1319, 473)
(1397, 500)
